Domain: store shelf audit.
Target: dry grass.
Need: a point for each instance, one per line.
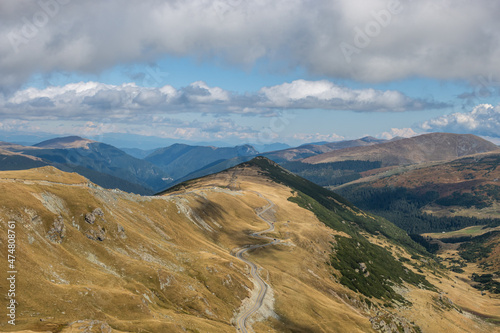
(165, 264)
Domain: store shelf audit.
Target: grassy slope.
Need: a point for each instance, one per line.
(340, 215)
(156, 270)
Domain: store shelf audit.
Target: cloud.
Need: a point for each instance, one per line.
(484, 120)
(302, 94)
(93, 100)
(316, 137)
(398, 132)
(387, 40)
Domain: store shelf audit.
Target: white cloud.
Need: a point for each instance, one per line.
(429, 38)
(327, 95)
(93, 100)
(316, 137)
(398, 132)
(158, 126)
(484, 119)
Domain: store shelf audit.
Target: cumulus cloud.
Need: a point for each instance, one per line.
(432, 38)
(398, 132)
(484, 120)
(97, 100)
(324, 94)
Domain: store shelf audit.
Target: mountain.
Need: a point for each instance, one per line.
(264, 148)
(94, 160)
(91, 259)
(68, 142)
(308, 150)
(443, 196)
(137, 153)
(180, 160)
(207, 160)
(453, 205)
(420, 149)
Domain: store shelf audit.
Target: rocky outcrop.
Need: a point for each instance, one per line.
(91, 217)
(57, 231)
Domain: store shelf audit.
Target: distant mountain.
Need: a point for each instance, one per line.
(264, 148)
(138, 153)
(68, 142)
(95, 160)
(419, 149)
(282, 157)
(442, 196)
(308, 150)
(180, 160)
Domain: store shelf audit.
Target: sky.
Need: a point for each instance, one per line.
(231, 71)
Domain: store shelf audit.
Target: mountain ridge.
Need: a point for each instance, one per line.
(418, 149)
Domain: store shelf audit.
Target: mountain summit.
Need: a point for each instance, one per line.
(67, 142)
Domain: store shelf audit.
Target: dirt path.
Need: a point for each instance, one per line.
(260, 285)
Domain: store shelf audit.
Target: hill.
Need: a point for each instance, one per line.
(89, 258)
(420, 149)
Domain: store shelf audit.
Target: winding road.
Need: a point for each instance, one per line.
(261, 286)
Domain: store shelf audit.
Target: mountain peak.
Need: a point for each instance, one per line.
(65, 143)
(370, 139)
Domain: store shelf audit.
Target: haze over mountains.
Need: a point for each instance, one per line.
(160, 168)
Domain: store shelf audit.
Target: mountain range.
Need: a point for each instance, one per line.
(152, 171)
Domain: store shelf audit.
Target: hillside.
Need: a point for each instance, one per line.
(455, 205)
(16, 161)
(89, 258)
(420, 149)
(180, 160)
(438, 197)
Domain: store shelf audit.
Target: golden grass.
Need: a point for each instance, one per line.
(165, 264)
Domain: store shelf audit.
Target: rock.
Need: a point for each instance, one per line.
(121, 232)
(58, 231)
(98, 234)
(90, 218)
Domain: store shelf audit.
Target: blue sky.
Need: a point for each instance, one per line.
(231, 72)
